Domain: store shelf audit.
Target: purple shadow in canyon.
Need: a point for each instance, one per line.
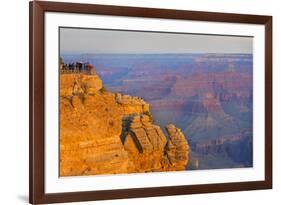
(208, 96)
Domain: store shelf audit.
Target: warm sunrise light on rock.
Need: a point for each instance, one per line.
(102, 132)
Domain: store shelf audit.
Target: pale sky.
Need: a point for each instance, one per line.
(77, 40)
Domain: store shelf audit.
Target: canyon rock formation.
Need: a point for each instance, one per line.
(102, 132)
(149, 149)
(208, 96)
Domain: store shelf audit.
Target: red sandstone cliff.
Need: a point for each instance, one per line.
(105, 133)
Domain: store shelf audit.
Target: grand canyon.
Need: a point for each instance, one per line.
(102, 132)
(206, 97)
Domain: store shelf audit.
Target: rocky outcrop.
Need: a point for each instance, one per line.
(79, 84)
(177, 147)
(149, 149)
(106, 133)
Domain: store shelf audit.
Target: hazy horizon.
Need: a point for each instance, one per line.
(100, 41)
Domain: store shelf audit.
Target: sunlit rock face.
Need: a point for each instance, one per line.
(149, 149)
(108, 133)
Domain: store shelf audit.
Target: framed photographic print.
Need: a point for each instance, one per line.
(140, 102)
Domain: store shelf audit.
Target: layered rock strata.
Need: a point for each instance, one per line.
(149, 149)
(107, 133)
